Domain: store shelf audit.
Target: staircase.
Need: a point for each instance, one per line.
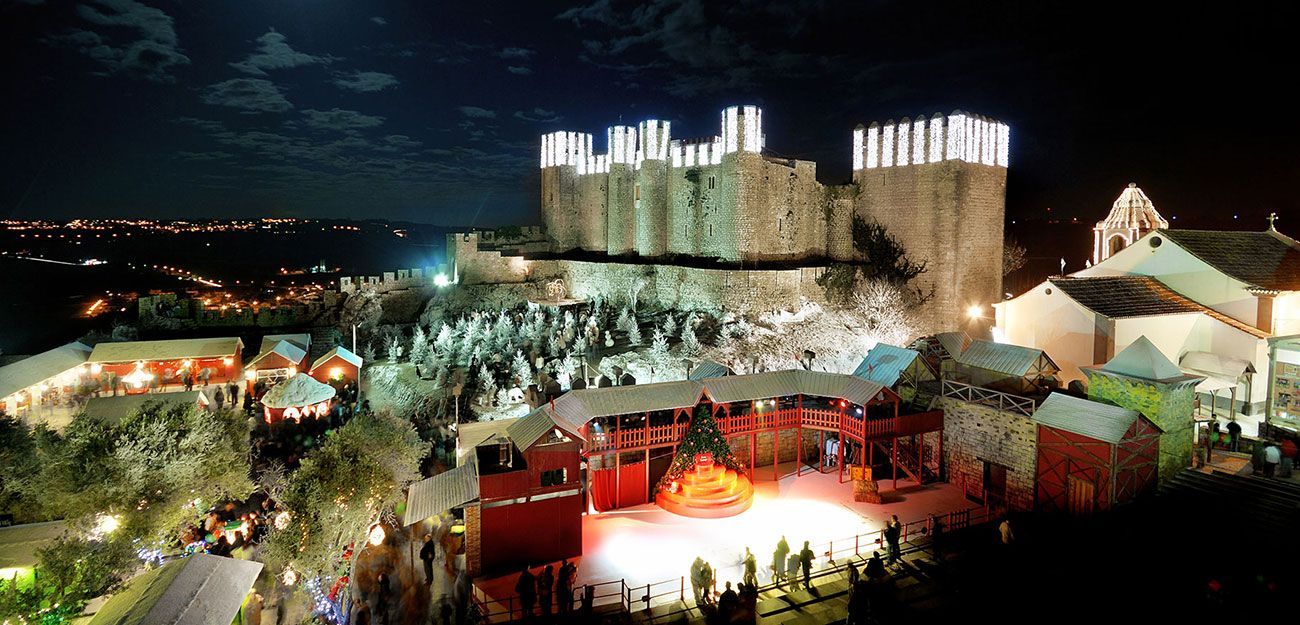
(921, 473)
(1266, 503)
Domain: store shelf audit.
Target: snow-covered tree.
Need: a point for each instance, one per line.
(669, 325)
(419, 346)
(659, 355)
(443, 342)
(394, 349)
(690, 343)
(487, 385)
(521, 369)
(886, 312)
(634, 334)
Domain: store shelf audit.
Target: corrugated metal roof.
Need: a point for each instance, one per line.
(1142, 359)
(114, 409)
(302, 341)
(533, 426)
(31, 371)
(1012, 360)
(1086, 417)
(202, 589)
(885, 363)
(709, 369)
(792, 382)
(341, 352)
(177, 349)
(471, 435)
(434, 495)
(575, 408)
(953, 342)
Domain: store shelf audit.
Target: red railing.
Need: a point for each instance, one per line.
(832, 554)
(739, 424)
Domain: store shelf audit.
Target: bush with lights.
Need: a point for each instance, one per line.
(703, 437)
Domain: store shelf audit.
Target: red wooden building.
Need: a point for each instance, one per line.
(1092, 456)
(337, 365)
(142, 366)
(280, 357)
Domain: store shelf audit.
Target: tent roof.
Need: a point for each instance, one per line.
(112, 409)
(1216, 365)
(431, 496)
(1141, 359)
(341, 352)
(176, 349)
(202, 589)
(33, 370)
(18, 543)
(299, 390)
(884, 363)
(1086, 417)
(1005, 358)
(285, 349)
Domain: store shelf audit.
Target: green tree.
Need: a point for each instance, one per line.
(341, 488)
(702, 437)
(880, 257)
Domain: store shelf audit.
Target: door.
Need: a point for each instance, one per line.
(1081, 496)
(995, 484)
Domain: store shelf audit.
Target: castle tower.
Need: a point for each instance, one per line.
(565, 157)
(621, 191)
(1131, 217)
(650, 195)
(938, 184)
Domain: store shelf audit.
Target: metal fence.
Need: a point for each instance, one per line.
(835, 554)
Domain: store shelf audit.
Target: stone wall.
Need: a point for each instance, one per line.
(974, 434)
(763, 448)
(1169, 406)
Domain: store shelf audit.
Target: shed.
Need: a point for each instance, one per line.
(1005, 367)
(889, 365)
(1092, 455)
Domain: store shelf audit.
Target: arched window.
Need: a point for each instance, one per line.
(1116, 243)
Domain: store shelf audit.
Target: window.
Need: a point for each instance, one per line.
(779, 224)
(710, 229)
(638, 191)
(712, 181)
(555, 477)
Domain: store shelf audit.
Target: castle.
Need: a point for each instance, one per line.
(937, 184)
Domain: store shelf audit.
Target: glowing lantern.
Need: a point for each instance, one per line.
(377, 535)
(282, 520)
(292, 413)
(227, 361)
(250, 375)
(336, 373)
(290, 576)
(975, 311)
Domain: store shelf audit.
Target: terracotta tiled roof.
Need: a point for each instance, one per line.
(1119, 297)
(1266, 260)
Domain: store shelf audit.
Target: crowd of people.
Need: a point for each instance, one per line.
(550, 587)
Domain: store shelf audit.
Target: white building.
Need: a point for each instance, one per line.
(1210, 301)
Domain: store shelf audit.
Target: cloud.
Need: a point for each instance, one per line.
(522, 71)
(475, 112)
(274, 52)
(379, 20)
(365, 82)
(538, 115)
(516, 53)
(250, 94)
(150, 55)
(340, 119)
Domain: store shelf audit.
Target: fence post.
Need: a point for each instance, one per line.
(855, 544)
(647, 597)
(682, 596)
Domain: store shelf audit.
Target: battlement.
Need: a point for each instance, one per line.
(958, 137)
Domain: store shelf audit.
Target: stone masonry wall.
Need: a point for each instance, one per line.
(974, 434)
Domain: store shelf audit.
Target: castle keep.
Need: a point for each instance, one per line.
(937, 184)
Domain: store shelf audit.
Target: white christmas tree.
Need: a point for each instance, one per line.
(670, 325)
(659, 355)
(522, 370)
(419, 345)
(690, 343)
(394, 350)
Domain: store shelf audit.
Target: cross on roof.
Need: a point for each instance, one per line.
(1272, 221)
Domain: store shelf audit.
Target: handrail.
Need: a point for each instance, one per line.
(988, 397)
(645, 595)
(852, 424)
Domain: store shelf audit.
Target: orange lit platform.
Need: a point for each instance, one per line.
(709, 492)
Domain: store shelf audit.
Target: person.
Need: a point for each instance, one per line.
(545, 589)
(727, 603)
(219, 398)
(853, 576)
(709, 582)
(1272, 456)
(1004, 529)
(751, 569)
(1234, 435)
(232, 392)
(778, 560)
(875, 566)
(792, 571)
(936, 537)
(428, 552)
(805, 560)
(564, 587)
(1213, 436)
(697, 580)
(445, 611)
(893, 534)
(526, 588)
(381, 595)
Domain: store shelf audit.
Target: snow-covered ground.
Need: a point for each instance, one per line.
(776, 341)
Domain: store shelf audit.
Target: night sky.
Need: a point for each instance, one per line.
(430, 111)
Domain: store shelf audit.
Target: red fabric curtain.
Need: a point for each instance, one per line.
(632, 486)
(603, 494)
(629, 489)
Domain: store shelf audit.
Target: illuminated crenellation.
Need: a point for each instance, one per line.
(956, 137)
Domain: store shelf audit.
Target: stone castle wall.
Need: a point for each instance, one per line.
(974, 434)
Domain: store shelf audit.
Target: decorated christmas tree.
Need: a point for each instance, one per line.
(703, 437)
